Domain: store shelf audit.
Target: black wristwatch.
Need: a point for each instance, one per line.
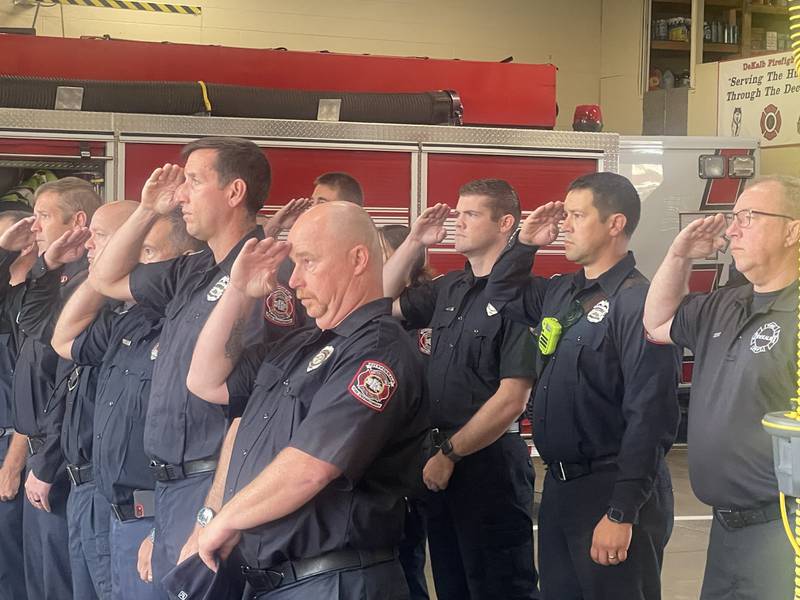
(447, 450)
(615, 515)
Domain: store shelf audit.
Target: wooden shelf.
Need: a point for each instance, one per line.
(684, 47)
(737, 4)
(763, 9)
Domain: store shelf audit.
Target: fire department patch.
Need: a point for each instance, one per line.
(215, 293)
(765, 338)
(319, 358)
(373, 385)
(598, 312)
(279, 307)
(424, 340)
(154, 352)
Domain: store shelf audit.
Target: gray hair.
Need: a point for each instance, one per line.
(791, 191)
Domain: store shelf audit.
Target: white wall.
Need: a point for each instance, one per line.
(566, 33)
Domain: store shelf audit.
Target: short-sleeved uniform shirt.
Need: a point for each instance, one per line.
(350, 396)
(472, 345)
(606, 392)
(745, 367)
(180, 426)
(122, 347)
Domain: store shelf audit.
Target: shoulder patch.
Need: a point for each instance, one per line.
(279, 307)
(319, 358)
(373, 385)
(424, 337)
(215, 293)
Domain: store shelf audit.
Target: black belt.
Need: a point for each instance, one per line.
(124, 512)
(165, 472)
(566, 471)
(6, 431)
(35, 444)
(736, 519)
(80, 474)
(265, 580)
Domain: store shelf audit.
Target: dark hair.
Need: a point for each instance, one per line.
(394, 235)
(502, 197)
(238, 158)
(612, 193)
(74, 195)
(15, 216)
(347, 187)
(179, 238)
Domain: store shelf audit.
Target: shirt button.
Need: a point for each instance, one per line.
(126, 371)
(544, 388)
(460, 317)
(476, 331)
(266, 416)
(244, 452)
(286, 382)
(579, 338)
(230, 490)
(111, 404)
(451, 345)
(99, 436)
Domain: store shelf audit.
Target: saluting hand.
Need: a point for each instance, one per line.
(68, 248)
(540, 228)
(610, 542)
(158, 193)
(429, 227)
(287, 215)
(255, 269)
(217, 542)
(700, 238)
(437, 472)
(19, 236)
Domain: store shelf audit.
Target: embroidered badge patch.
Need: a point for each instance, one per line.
(279, 307)
(215, 293)
(765, 338)
(491, 310)
(424, 340)
(154, 352)
(319, 358)
(598, 312)
(373, 385)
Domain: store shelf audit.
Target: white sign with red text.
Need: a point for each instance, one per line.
(760, 98)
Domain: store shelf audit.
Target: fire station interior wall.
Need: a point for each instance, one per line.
(703, 104)
(566, 33)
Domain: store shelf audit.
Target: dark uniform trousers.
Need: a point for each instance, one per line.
(48, 575)
(89, 550)
(384, 581)
(480, 529)
(569, 512)
(12, 569)
(125, 539)
(749, 563)
(176, 507)
(412, 549)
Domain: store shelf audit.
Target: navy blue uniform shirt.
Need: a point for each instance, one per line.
(745, 366)
(180, 426)
(123, 347)
(472, 346)
(350, 396)
(39, 385)
(607, 391)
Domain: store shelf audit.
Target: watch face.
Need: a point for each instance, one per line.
(204, 516)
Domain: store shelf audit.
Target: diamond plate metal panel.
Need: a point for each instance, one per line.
(161, 126)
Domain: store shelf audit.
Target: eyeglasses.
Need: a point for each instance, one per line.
(744, 217)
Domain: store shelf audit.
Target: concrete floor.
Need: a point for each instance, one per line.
(685, 557)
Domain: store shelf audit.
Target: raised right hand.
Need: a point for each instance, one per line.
(19, 236)
(158, 193)
(540, 228)
(286, 216)
(67, 248)
(429, 227)
(255, 270)
(700, 238)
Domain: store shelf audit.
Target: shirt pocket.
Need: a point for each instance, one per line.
(482, 338)
(441, 330)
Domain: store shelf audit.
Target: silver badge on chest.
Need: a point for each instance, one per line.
(319, 358)
(598, 312)
(215, 293)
